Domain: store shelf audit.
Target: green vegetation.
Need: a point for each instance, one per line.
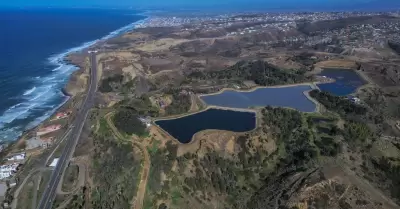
(306, 58)
(356, 132)
(390, 169)
(181, 102)
(261, 72)
(126, 120)
(140, 106)
(78, 200)
(161, 163)
(26, 196)
(111, 83)
(115, 169)
(251, 177)
(70, 177)
(341, 105)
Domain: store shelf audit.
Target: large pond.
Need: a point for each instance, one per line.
(347, 81)
(184, 128)
(291, 96)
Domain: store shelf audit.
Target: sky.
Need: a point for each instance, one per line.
(292, 4)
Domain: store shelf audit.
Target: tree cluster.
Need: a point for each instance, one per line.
(115, 173)
(180, 103)
(261, 72)
(126, 120)
(111, 83)
(341, 105)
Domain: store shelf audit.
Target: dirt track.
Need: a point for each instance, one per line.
(137, 202)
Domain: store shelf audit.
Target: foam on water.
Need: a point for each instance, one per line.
(30, 91)
(38, 103)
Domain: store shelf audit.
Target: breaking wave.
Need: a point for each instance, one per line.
(41, 101)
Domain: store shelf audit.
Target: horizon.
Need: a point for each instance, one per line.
(231, 5)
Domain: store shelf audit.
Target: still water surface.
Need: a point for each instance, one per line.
(291, 96)
(184, 128)
(346, 81)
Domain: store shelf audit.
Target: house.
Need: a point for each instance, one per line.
(62, 115)
(17, 157)
(355, 99)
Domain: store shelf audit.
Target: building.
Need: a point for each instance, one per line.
(62, 115)
(17, 157)
(54, 162)
(8, 170)
(12, 182)
(145, 120)
(355, 99)
(37, 141)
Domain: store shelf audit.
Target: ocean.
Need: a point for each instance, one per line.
(33, 43)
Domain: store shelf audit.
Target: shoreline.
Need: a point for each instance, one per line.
(366, 80)
(174, 117)
(61, 59)
(313, 85)
(254, 111)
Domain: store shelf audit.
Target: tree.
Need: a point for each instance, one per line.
(127, 121)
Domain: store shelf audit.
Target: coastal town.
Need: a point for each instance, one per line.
(180, 111)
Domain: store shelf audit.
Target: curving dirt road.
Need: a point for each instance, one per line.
(137, 202)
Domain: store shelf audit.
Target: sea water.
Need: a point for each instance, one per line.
(33, 44)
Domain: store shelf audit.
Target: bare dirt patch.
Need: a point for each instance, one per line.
(159, 45)
(348, 64)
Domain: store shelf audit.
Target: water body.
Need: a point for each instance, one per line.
(184, 128)
(292, 97)
(34, 43)
(346, 81)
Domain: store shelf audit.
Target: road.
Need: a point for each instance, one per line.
(49, 194)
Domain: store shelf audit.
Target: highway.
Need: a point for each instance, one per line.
(46, 201)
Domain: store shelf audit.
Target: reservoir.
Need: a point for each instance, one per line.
(184, 128)
(346, 81)
(291, 97)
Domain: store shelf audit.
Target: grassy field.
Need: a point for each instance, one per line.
(70, 178)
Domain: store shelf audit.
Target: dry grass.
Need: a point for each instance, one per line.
(337, 64)
(160, 45)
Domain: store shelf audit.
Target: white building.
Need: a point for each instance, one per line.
(17, 157)
(54, 162)
(8, 170)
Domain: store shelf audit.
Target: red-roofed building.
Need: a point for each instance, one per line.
(61, 115)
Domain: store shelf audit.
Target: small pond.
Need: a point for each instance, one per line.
(184, 128)
(346, 81)
(291, 97)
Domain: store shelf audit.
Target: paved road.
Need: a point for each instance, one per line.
(49, 194)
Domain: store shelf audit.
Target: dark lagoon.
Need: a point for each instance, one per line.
(346, 81)
(291, 96)
(184, 128)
